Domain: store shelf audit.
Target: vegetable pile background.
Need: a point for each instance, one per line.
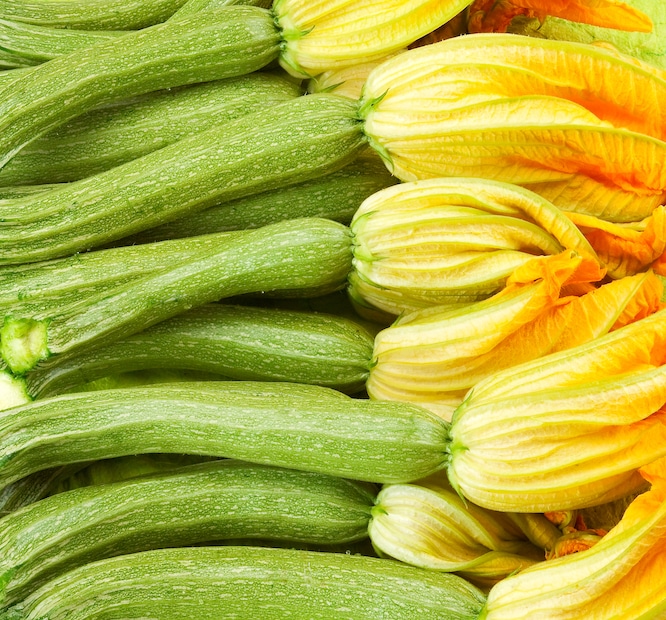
(343, 309)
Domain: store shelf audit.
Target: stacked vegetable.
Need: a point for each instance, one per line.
(306, 314)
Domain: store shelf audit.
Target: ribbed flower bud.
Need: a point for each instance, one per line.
(568, 430)
(451, 241)
(433, 528)
(544, 114)
(320, 35)
(622, 576)
(434, 356)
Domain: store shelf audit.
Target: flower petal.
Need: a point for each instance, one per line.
(320, 35)
(625, 249)
(622, 576)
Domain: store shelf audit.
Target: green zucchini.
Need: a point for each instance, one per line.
(24, 44)
(40, 290)
(90, 14)
(109, 471)
(138, 378)
(235, 342)
(10, 61)
(21, 191)
(193, 504)
(294, 141)
(32, 488)
(334, 196)
(303, 257)
(304, 427)
(48, 482)
(115, 134)
(9, 76)
(247, 583)
(194, 6)
(32, 44)
(205, 46)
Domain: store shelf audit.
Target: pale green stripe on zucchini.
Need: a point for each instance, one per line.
(118, 133)
(305, 257)
(41, 290)
(90, 14)
(236, 342)
(251, 583)
(21, 191)
(24, 44)
(205, 46)
(194, 6)
(212, 501)
(295, 141)
(32, 44)
(296, 426)
(41, 484)
(336, 196)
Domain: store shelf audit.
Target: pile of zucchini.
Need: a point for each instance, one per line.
(185, 430)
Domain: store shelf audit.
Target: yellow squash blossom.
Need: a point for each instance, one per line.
(496, 15)
(434, 356)
(547, 115)
(647, 46)
(321, 35)
(347, 81)
(621, 577)
(427, 524)
(452, 241)
(625, 249)
(568, 430)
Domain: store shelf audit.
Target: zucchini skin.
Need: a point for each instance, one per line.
(305, 257)
(115, 134)
(211, 501)
(298, 140)
(90, 14)
(194, 6)
(231, 341)
(248, 583)
(335, 196)
(41, 290)
(25, 45)
(303, 427)
(206, 46)
(33, 488)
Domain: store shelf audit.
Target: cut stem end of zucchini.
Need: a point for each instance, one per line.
(23, 343)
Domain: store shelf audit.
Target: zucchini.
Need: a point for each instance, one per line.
(235, 342)
(32, 44)
(90, 14)
(334, 196)
(117, 470)
(303, 257)
(216, 583)
(194, 504)
(26, 44)
(206, 46)
(194, 6)
(32, 488)
(47, 482)
(20, 191)
(118, 133)
(39, 290)
(73, 280)
(294, 141)
(289, 425)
